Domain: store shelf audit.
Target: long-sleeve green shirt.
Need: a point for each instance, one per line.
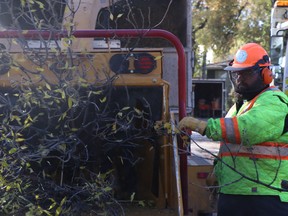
(253, 155)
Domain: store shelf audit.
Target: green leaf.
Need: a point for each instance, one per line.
(12, 151)
(70, 103)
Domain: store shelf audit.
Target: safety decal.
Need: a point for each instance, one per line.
(241, 56)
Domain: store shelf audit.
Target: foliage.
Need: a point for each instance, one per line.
(46, 165)
(62, 132)
(223, 26)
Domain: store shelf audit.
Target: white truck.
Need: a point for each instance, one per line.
(279, 39)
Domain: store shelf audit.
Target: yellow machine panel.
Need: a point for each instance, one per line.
(95, 68)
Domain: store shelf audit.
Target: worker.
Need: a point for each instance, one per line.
(252, 163)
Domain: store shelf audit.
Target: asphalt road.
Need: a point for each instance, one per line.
(203, 148)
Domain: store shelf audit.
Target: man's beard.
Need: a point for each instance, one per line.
(247, 92)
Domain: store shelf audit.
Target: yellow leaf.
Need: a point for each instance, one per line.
(14, 41)
(132, 196)
(64, 115)
(27, 125)
(111, 16)
(18, 187)
(103, 100)
(22, 3)
(53, 50)
(138, 111)
(158, 57)
(51, 206)
(40, 69)
(41, 5)
(48, 86)
(70, 103)
(30, 119)
(27, 120)
(125, 108)
(97, 92)
(63, 201)
(63, 94)
(167, 126)
(82, 80)
(114, 127)
(20, 139)
(52, 200)
(44, 153)
(62, 147)
(141, 203)
(58, 211)
(65, 44)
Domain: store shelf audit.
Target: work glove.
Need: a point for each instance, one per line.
(192, 124)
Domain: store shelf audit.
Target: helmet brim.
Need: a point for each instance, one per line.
(231, 68)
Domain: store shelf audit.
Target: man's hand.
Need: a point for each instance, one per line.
(193, 124)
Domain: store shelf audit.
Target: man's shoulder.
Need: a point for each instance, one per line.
(273, 97)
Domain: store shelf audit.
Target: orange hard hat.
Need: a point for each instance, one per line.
(249, 56)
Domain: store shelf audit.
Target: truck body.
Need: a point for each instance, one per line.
(279, 27)
(138, 85)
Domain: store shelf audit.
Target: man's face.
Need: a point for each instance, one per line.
(246, 81)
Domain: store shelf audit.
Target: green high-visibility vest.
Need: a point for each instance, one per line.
(253, 154)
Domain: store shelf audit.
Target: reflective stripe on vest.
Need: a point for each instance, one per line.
(270, 150)
(230, 130)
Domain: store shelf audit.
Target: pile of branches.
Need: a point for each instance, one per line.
(60, 136)
(59, 142)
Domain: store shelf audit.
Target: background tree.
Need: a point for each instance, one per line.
(223, 26)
